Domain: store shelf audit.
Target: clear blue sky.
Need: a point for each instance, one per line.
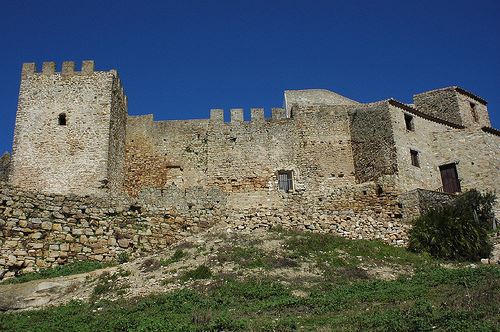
(178, 59)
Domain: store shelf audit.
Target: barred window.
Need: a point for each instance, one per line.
(285, 180)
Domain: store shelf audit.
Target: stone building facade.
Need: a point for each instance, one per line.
(73, 136)
(323, 162)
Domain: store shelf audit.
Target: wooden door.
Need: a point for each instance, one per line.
(449, 177)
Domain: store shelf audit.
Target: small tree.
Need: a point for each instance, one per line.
(457, 230)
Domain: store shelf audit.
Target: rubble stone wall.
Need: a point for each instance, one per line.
(422, 140)
(441, 104)
(476, 154)
(373, 143)
(39, 231)
(453, 105)
(419, 201)
(4, 167)
(64, 140)
(473, 151)
(241, 156)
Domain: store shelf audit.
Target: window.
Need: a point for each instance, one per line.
(62, 119)
(414, 158)
(285, 181)
(473, 110)
(409, 122)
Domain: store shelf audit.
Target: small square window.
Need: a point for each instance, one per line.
(415, 158)
(285, 180)
(409, 122)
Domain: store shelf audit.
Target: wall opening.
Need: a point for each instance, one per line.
(62, 119)
(285, 181)
(473, 111)
(409, 122)
(415, 161)
(449, 177)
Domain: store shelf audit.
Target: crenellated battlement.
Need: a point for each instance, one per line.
(49, 68)
(236, 115)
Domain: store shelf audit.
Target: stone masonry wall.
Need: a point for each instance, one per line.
(474, 152)
(39, 231)
(70, 158)
(464, 105)
(241, 156)
(420, 139)
(453, 105)
(159, 154)
(4, 166)
(117, 134)
(373, 143)
(419, 201)
(441, 104)
(476, 155)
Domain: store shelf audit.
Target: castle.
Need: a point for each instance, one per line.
(73, 135)
(363, 169)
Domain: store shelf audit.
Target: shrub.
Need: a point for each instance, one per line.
(457, 230)
(177, 256)
(201, 272)
(122, 257)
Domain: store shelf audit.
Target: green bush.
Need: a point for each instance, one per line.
(122, 258)
(177, 256)
(457, 230)
(201, 272)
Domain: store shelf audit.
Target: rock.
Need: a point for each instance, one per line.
(47, 225)
(123, 243)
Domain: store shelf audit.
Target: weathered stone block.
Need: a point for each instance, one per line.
(46, 225)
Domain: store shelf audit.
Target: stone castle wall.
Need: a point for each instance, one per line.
(476, 154)
(473, 151)
(39, 231)
(148, 183)
(453, 105)
(422, 140)
(4, 166)
(441, 104)
(373, 143)
(241, 156)
(72, 157)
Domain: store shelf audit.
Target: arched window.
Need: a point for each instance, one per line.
(62, 119)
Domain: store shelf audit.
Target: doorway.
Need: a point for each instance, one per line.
(449, 177)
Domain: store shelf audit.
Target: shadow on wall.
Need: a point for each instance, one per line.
(4, 166)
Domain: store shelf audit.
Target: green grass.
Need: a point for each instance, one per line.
(246, 257)
(438, 299)
(177, 256)
(108, 283)
(76, 267)
(341, 252)
(433, 298)
(201, 272)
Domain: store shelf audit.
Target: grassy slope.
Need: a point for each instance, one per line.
(345, 298)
